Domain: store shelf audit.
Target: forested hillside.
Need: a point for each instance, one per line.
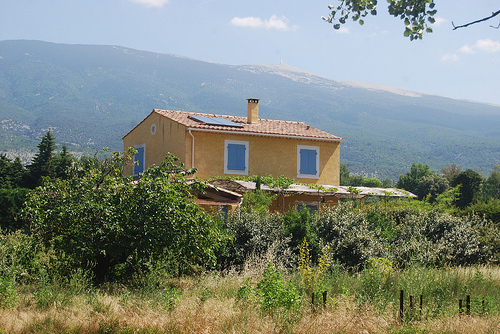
(91, 96)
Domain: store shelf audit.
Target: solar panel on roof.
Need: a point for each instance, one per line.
(216, 121)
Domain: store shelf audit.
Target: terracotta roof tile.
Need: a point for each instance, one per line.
(264, 127)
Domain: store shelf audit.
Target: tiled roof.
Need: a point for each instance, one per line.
(263, 127)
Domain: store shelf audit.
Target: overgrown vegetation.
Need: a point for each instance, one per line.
(89, 241)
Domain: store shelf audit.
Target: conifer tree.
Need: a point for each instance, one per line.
(43, 163)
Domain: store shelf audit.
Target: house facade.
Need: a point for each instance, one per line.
(220, 146)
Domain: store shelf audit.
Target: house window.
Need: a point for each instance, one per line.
(312, 206)
(236, 157)
(139, 159)
(308, 161)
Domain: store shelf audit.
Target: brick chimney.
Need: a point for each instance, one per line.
(253, 111)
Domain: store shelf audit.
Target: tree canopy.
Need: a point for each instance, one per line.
(417, 15)
(101, 221)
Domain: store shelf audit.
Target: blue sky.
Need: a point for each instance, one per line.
(463, 64)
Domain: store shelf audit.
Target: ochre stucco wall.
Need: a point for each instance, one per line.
(267, 155)
(170, 137)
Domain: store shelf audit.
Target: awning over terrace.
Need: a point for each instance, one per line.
(325, 190)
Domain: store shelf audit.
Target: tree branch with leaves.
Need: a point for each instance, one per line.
(418, 15)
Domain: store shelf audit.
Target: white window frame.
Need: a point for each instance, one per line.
(236, 142)
(308, 176)
(143, 158)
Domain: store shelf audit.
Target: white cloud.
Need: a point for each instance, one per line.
(465, 49)
(151, 3)
(439, 21)
(482, 45)
(487, 45)
(256, 22)
(450, 57)
(342, 30)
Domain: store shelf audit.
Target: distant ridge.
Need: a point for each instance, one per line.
(92, 95)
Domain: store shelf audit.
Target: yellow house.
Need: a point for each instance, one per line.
(219, 145)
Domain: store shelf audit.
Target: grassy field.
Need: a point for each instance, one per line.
(255, 302)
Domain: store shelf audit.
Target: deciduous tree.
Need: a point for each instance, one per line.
(114, 226)
(409, 182)
(432, 185)
(417, 15)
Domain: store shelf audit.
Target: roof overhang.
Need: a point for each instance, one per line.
(248, 133)
(325, 190)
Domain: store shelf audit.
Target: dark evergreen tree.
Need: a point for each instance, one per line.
(62, 162)
(492, 184)
(43, 164)
(470, 187)
(11, 173)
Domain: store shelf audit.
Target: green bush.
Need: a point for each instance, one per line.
(275, 293)
(490, 209)
(299, 226)
(349, 235)
(108, 224)
(11, 202)
(254, 234)
(8, 295)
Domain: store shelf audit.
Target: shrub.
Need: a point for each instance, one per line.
(254, 234)
(490, 209)
(274, 293)
(11, 202)
(114, 227)
(348, 234)
(377, 280)
(299, 226)
(312, 276)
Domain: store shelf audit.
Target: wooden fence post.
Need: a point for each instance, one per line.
(401, 306)
(460, 309)
(467, 305)
(324, 299)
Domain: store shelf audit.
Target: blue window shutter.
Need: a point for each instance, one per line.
(139, 160)
(308, 161)
(236, 157)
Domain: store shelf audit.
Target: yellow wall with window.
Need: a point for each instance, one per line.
(160, 135)
(266, 154)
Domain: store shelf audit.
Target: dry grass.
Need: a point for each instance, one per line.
(208, 304)
(103, 313)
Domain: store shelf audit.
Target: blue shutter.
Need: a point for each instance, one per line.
(236, 157)
(308, 161)
(139, 160)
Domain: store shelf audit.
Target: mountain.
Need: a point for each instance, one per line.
(91, 96)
